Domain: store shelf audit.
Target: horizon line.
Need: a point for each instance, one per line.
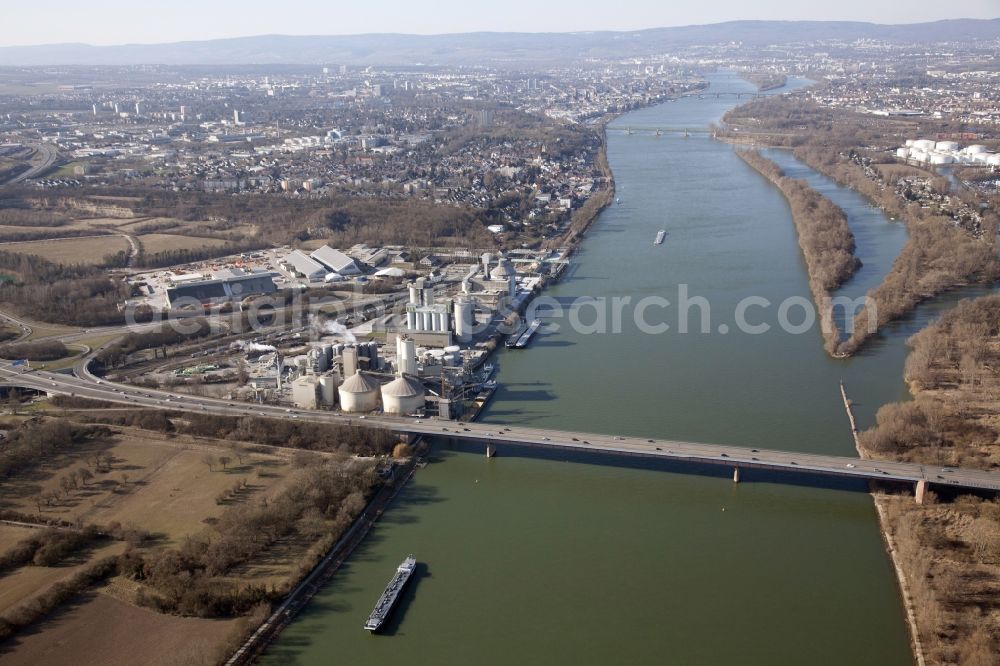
(482, 32)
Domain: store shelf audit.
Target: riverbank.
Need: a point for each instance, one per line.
(947, 553)
(826, 240)
(945, 250)
(271, 628)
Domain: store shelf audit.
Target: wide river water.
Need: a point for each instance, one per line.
(541, 560)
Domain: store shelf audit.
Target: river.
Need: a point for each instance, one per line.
(535, 560)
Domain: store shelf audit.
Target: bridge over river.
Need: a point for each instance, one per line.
(494, 436)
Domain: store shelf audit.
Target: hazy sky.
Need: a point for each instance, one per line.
(118, 21)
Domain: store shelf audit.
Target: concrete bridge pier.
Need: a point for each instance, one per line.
(920, 492)
(736, 475)
(491, 450)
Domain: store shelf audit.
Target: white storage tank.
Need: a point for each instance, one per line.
(453, 355)
(923, 144)
(358, 393)
(909, 143)
(940, 158)
(328, 390)
(464, 319)
(946, 146)
(993, 159)
(304, 392)
(902, 153)
(918, 155)
(403, 395)
(406, 355)
(975, 148)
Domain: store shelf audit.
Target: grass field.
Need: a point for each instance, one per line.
(153, 243)
(99, 629)
(171, 486)
(11, 534)
(158, 483)
(87, 250)
(46, 330)
(28, 581)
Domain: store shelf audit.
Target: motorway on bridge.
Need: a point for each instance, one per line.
(87, 385)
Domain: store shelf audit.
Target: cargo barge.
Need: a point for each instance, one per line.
(391, 594)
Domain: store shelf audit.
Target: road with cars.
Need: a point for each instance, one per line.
(86, 385)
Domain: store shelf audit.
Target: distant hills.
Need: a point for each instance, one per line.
(494, 48)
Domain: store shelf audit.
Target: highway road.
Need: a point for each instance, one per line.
(88, 386)
(47, 154)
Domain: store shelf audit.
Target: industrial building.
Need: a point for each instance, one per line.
(335, 260)
(304, 266)
(936, 153)
(201, 292)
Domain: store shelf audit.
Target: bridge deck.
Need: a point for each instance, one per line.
(694, 452)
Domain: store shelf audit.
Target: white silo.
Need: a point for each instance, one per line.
(909, 143)
(902, 153)
(358, 393)
(403, 395)
(328, 390)
(349, 358)
(975, 148)
(924, 144)
(940, 158)
(946, 146)
(464, 319)
(304, 392)
(487, 260)
(406, 355)
(414, 293)
(993, 159)
(452, 355)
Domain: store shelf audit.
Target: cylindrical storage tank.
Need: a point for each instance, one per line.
(909, 143)
(918, 155)
(358, 393)
(453, 355)
(902, 153)
(938, 158)
(980, 158)
(464, 322)
(946, 145)
(406, 355)
(975, 148)
(328, 390)
(414, 294)
(487, 260)
(403, 395)
(924, 144)
(350, 361)
(411, 319)
(994, 159)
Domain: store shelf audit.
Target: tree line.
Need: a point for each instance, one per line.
(825, 238)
